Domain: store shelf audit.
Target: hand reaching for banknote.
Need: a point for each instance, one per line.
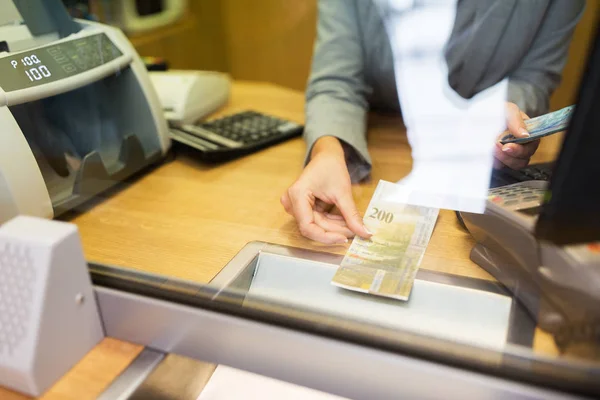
(325, 183)
(512, 155)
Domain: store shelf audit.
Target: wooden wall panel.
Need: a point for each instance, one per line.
(566, 93)
(270, 40)
(197, 41)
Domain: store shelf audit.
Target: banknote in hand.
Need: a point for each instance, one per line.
(387, 263)
(544, 125)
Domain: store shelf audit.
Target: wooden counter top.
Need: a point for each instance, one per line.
(187, 220)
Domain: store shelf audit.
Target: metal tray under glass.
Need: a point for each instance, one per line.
(468, 310)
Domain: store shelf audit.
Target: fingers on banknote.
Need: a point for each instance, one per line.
(301, 208)
(345, 203)
(333, 225)
(516, 155)
(515, 121)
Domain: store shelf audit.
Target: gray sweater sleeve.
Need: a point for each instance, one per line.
(539, 72)
(336, 102)
(336, 95)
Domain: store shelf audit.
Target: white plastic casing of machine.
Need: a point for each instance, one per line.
(27, 185)
(188, 96)
(49, 317)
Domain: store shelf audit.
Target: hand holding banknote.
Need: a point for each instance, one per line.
(325, 183)
(513, 155)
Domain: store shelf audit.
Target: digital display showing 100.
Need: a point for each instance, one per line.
(34, 70)
(55, 62)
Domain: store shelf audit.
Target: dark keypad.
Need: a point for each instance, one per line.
(235, 135)
(507, 176)
(248, 127)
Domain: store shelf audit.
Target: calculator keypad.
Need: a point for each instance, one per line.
(249, 127)
(234, 135)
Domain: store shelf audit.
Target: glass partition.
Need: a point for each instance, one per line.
(249, 215)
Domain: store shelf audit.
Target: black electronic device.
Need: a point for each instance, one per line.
(235, 135)
(571, 213)
(539, 237)
(508, 176)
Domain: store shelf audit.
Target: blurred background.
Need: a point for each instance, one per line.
(259, 40)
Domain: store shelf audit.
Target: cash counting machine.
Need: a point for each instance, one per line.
(77, 110)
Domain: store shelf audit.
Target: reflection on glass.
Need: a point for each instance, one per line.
(202, 237)
(460, 320)
(490, 295)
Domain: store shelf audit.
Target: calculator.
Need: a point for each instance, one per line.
(235, 135)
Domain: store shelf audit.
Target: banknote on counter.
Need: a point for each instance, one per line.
(387, 263)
